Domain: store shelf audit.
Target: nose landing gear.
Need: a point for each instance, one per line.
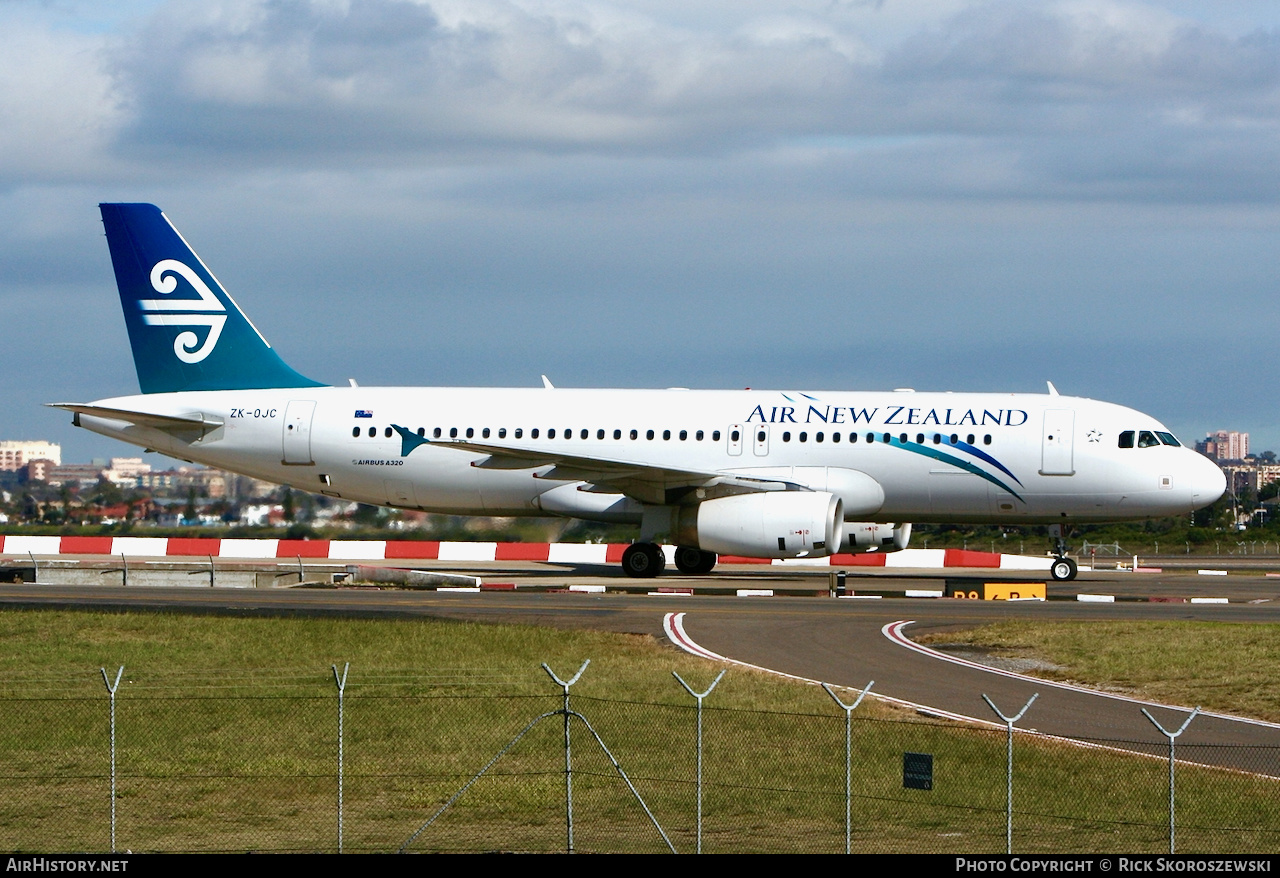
(1063, 569)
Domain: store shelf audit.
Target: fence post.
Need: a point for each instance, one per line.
(1009, 721)
(342, 688)
(568, 763)
(848, 758)
(1171, 736)
(111, 696)
(699, 698)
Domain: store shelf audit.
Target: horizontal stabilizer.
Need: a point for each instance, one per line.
(197, 422)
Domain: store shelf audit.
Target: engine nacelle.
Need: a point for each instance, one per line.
(770, 524)
(866, 536)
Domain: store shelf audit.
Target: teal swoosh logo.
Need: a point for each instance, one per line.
(965, 465)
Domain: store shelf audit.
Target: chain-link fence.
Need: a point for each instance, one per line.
(252, 763)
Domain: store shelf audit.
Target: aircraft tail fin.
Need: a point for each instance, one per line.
(187, 333)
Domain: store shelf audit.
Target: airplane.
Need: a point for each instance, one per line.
(753, 473)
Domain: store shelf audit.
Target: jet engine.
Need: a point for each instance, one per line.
(768, 524)
(866, 536)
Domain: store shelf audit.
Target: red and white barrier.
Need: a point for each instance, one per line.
(434, 550)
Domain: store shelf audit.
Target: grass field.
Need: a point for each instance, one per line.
(1225, 667)
(227, 740)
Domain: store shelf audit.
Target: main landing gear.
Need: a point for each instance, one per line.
(694, 562)
(646, 560)
(1063, 569)
(643, 560)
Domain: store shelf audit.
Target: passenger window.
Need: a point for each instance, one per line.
(373, 431)
(666, 435)
(533, 434)
(635, 434)
(903, 438)
(817, 437)
(969, 439)
(355, 431)
(599, 434)
(470, 432)
(453, 432)
(986, 440)
(804, 437)
(519, 433)
(435, 433)
(715, 436)
(835, 437)
(502, 432)
(484, 434)
(919, 438)
(887, 438)
(853, 437)
(937, 438)
(422, 431)
(387, 433)
(684, 434)
(871, 437)
(698, 435)
(1147, 439)
(551, 434)
(617, 434)
(648, 434)
(955, 439)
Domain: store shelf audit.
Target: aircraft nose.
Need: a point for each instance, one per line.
(1208, 482)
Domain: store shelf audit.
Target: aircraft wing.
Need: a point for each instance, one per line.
(642, 481)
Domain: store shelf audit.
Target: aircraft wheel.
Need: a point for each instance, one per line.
(643, 560)
(694, 562)
(1063, 569)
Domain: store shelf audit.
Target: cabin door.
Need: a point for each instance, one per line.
(1056, 448)
(297, 431)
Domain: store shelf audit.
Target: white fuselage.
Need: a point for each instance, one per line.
(937, 457)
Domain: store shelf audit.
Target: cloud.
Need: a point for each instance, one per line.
(1077, 99)
(58, 107)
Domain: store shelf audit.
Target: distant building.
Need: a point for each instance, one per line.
(1225, 445)
(15, 454)
(37, 470)
(124, 471)
(1251, 474)
(84, 475)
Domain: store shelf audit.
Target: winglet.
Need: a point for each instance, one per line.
(546, 382)
(1053, 391)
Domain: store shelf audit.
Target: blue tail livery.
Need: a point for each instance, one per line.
(187, 333)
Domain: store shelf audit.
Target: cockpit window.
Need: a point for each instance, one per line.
(1147, 439)
(1126, 439)
(1168, 438)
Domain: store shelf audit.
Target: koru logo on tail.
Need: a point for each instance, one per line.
(184, 312)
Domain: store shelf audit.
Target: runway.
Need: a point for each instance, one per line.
(840, 641)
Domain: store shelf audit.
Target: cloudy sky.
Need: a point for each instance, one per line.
(838, 194)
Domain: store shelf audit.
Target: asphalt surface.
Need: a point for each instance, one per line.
(839, 641)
